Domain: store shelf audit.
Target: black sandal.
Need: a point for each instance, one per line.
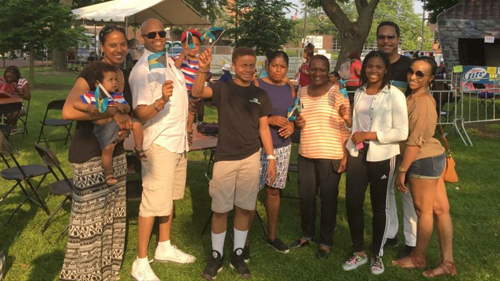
(141, 155)
(111, 179)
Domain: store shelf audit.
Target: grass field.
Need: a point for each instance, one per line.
(475, 208)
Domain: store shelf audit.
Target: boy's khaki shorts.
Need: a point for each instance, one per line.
(235, 183)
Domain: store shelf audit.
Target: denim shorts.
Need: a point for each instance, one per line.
(107, 133)
(429, 168)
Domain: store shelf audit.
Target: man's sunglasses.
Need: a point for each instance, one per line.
(152, 35)
(417, 73)
(388, 37)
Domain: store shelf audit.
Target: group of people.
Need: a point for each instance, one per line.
(382, 139)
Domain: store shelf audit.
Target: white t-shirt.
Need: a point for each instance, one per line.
(168, 127)
(364, 113)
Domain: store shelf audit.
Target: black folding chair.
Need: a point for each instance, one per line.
(63, 187)
(24, 118)
(485, 95)
(67, 124)
(7, 109)
(21, 174)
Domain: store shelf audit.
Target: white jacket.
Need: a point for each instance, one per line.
(389, 118)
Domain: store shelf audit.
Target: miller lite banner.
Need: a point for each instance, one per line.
(488, 76)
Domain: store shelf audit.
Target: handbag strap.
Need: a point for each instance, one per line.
(446, 145)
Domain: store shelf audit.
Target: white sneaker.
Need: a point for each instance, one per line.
(174, 255)
(143, 272)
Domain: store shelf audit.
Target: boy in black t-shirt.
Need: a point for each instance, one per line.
(243, 110)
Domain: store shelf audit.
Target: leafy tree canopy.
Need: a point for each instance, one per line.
(436, 7)
(38, 23)
(261, 24)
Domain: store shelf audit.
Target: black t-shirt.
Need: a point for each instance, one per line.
(239, 109)
(398, 73)
(84, 145)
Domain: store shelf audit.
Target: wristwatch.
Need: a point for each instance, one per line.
(401, 170)
(271, 157)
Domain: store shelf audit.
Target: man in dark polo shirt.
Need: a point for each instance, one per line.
(388, 38)
(388, 42)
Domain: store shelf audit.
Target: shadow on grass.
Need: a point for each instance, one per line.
(43, 268)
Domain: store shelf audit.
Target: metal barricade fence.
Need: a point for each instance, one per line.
(477, 105)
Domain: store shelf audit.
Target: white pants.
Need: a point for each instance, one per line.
(409, 215)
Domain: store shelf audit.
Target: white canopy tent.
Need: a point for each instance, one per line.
(169, 12)
(134, 12)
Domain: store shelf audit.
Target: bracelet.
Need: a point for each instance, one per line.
(401, 170)
(203, 72)
(271, 157)
(156, 107)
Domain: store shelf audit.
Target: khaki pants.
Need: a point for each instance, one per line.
(163, 181)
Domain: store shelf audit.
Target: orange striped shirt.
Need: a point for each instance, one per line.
(325, 133)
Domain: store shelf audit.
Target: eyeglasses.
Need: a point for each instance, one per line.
(152, 35)
(417, 73)
(388, 37)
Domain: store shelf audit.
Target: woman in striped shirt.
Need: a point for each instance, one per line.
(321, 154)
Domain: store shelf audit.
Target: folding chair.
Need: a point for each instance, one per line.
(24, 118)
(485, 95)
(67, 124)
(63, 187)
(7, 109)
(21, 174)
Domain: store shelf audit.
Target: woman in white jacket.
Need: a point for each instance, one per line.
(379, 123)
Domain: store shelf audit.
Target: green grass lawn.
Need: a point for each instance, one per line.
(474, 203)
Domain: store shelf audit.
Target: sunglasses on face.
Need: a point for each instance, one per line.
(417, 73)
(388, 37)
(152, 35)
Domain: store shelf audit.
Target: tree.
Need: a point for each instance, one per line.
(352, 34)
(436, 7)
(212, 9)
(261, 24)
(36, 24)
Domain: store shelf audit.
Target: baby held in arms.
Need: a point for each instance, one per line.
(105, 99)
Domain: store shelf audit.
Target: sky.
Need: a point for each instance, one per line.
(417, 6)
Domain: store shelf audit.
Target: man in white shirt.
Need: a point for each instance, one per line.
(160, 102)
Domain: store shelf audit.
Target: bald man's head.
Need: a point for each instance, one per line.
(153, 34)
(145, 24)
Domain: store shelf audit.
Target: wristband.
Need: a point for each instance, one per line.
(156, 107)
(271, 157)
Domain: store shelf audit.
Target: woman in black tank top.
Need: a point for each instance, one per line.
(97, 208)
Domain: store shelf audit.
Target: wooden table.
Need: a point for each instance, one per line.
(5, 99)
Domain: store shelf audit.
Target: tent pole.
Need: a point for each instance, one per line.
(95, 39)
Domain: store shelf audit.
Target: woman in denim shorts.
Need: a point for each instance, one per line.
(423, 164)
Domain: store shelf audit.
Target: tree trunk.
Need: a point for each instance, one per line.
(32, 68)
(352, 34)
(350, 40)
(59, 60)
